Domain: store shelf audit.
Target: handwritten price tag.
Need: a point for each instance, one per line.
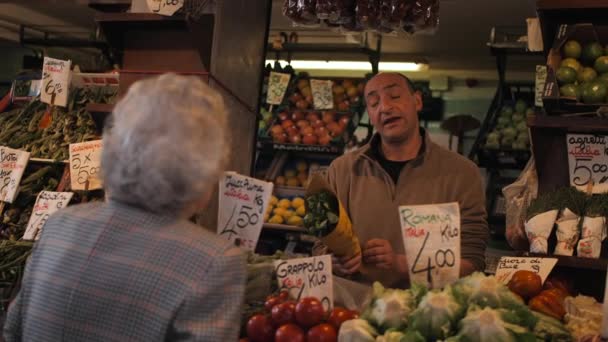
(85, 161)
(277, 85)
(307, 277)
(12, 165)
(322, 95)
(431, 235)
(47, 203)
(243, 201)
(165, 7)
(588, 161)
(541, 79)
(507, 266)
(55, 81)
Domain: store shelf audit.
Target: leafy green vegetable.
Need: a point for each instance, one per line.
(322, 210)
(597, 205)
(437, 314)
(550, 329)
(543, 203)
(390, 308)
(573, 199)
(491, 325)
(357, 330)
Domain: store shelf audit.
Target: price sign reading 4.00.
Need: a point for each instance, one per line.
(431, 235)
(85, 162)
(47, 203)
(55, 81)
(242, 203)
(322, 94)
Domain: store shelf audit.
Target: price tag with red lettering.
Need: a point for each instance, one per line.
(588, 161)
(12, 165)
(431, 235)
(165, 7)
(85, 163)
(242, 203)
(322, 94)
(55, 81)
(307, 277)
(47, 203)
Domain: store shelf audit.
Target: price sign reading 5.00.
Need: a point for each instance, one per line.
(588, 161)
(85, 161)
(431, 235)
(242, 201)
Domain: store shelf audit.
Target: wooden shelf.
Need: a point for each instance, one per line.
(569, 124)
(283, 227)
(569, 4)
(575, 262)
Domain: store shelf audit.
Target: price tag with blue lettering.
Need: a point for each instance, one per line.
(431, 235)
(307, 277)
(12, 165)
(47, 203)
(588, 161)
(242, 203)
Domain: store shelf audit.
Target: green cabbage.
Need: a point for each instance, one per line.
(390, 308)
(437, 314)
(486, 291)
(357, 330)
(488, 324)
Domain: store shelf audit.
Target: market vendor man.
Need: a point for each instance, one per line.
(402, 166)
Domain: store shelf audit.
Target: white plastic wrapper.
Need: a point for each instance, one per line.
(594, 232)
(567, 233)
(538, 229)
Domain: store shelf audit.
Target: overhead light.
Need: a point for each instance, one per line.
(351, 65)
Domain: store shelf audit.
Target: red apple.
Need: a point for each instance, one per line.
(310, 139)
(302, 123)
(319, 131)
(312, 117)
(283, 116)
(295, 139)
(308, 130)
(317, 123)
(328, 117)
(276, 129)
(297, 116)
(287, 123)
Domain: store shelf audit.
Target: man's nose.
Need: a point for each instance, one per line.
(385, 105)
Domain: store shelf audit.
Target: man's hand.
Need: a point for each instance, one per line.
(380, 253)
(346, 265)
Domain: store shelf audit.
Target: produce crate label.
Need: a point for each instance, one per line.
(431, 236)
(85, 162)
(277, 85)
(165, 7)
(47, 202)
(55, 81)
(588, 161)
(541, 79)
(322, 95)
(507, 266)
(242, 203)
(12, 165)
(307, 277)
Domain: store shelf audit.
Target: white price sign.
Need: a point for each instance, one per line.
(588, 161)
(322, 95)
(507, 266)
(12, 165)
(277, 85)
(85, 162)
(307, 277)
(431, 235)
(165, 7)
(242, 204)
(541, 79)
(47, 203)
(55, 81)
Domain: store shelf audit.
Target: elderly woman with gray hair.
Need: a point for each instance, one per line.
(134, 268)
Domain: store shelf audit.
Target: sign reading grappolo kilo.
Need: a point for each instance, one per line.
(431, 235)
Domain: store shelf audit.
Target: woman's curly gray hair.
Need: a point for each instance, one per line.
(165, 144)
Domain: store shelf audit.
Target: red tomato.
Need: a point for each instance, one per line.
(289, 333)
(271, 301)
(339, 316)
(309, 312)
(283, 313)
(322, 333)
(259, 329)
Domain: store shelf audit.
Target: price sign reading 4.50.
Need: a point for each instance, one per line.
(431, 235)
(165, 7)
(322, 94)
(55, 81)
(47, 203)
(12, 165)
(242, 204)
(588, 161)
(85, 161)
(277, 85)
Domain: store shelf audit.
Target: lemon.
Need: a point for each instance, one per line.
(276, 219)
(301, 211)
(284, 203)
(269, 209)
(295, 221)
(297, 202)
(288, 213)
(273, 200)
(279, 211)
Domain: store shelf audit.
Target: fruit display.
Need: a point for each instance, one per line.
(474, 308)
(287, 320)
(309, 128)
(347, 93)
(295, 175)
(510, 130)
(285, 211)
